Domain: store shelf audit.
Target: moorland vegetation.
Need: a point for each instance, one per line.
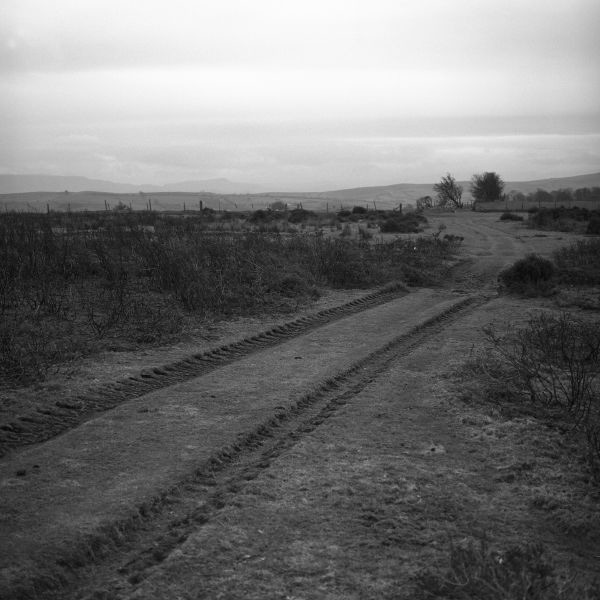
(74, 284)
(573, 219)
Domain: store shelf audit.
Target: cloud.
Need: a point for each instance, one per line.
(330, 34)
(280, 91)
(77, 140)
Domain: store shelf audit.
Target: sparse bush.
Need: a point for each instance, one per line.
(476, 572)
(424, 202)
(510, 216)
(593, 227)
(364, 233)
(441, 227)
(453, 239)
(531, 275)
(261, 216)
(402, 223)
(278, 205)
(561, 218)
(30, 346)
(556, 360)
(579, 263)
(300, 215)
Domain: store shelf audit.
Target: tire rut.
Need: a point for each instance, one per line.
(123, 554)
(47, 422)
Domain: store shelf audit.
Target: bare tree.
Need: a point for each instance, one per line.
(449, 193)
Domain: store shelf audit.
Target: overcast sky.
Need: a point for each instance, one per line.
(302, 94)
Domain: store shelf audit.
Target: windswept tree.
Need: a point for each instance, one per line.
(449, 193)
(487, 187)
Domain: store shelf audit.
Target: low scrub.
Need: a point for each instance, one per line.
(562, 219)
(70, 286)
(579, 263)
(510, 216)
(264, 216)
(593, 227)
(532, 275)
(403, 223)
(300, 215)
(477, 572)
(555, 362)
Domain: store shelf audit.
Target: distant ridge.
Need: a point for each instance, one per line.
(22, 184)
(409, 192)
(555, 183)
(80, 193)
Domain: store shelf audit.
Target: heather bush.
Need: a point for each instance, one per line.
(593, 227)
(556, 361)
(579, 263)
(475, 571)
(510, 216)
(561, 218)
(300, 215)
(531, 275)
(403, 223)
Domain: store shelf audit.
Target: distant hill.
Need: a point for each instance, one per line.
(383, 196)
(20, 184)
(555, 183)
(80, 193)
(409, 192)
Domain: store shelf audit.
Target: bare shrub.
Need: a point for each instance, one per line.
(562, 219)
(531, 275)
(579, 263)
(364, 233)
(72, 284)
(403, 223)
(556, 360)
(593, 227)
(477, 572)
(346, 231)
(510, 216)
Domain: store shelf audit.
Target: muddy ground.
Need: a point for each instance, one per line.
(337, 454)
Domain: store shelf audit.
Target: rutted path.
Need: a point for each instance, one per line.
(46, 422)
(96, 511)
(146, 451)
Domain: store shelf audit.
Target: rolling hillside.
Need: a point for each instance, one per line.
(111, 194)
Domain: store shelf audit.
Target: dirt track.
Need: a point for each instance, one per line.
(323, 460)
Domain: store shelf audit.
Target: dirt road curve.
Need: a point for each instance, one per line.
(313, 461)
